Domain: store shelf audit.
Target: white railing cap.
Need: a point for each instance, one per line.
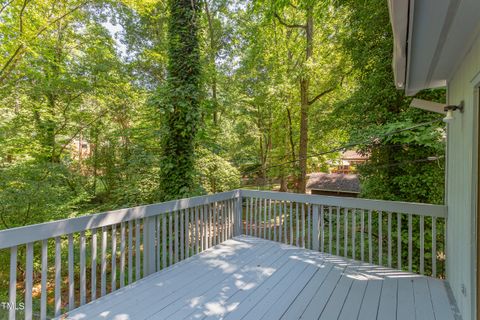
(22, 235)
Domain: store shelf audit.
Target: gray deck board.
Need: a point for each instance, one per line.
(252, 278)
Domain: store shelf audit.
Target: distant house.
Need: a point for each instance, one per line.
(80, 149)
(347, 162)
(333, 184)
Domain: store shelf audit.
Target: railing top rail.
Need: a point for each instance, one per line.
(21, 235)
(421, 209)
(37, 232)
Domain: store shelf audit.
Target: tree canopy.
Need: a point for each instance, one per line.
(108, 104)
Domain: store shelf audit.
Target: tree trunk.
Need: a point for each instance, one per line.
(304, 108)
(213, 54)
(181, 106)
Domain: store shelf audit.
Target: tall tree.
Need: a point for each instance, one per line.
(180, 107)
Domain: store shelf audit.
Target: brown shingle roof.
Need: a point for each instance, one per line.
(334, 182)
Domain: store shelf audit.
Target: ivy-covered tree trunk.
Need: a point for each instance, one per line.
(180, 107)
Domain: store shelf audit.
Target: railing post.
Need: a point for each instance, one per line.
(238, 214)
(149, 245)
(315, 236)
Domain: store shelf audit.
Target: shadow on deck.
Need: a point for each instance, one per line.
(252, 278)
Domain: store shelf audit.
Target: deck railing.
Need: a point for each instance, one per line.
(404, 235)
(60, 265)
(106, 251)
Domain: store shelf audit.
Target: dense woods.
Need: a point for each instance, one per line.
(108, 104)
(111, 104)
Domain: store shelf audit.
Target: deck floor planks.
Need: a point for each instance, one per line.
(322, 295)
(148, 304)
(442, 306)
(171, 273)
(252, 278)
(371, 298)
(422, 298)
(278, 309)
(305, 296)
(387, 309)
(354, 299)
(337, 299)
(405, 300)
(292, 283)
(173, 279)
(237, 281)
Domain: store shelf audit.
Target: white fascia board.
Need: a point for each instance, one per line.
(399, 12)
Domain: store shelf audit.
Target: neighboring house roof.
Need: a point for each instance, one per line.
(430, 38)
(353, 155)
(334, 182)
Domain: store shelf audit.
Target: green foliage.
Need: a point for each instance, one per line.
(180, 102)
(215, 174)
(399, 167)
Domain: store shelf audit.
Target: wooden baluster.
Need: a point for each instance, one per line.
(71, 275)
(93, 285)
(265, 208)
(130, 249)
(158, 221)
(114, 258)
(422, 244)
(322, 223)
(202, 229)
(316, 230)
(137, 249)
(354, 231)
(164, 241)
(281, 222)
(145, 247)
(211, 227)
(389, 216)
(247, 217)
(182, 235)
(410, 243)
(29, 280)
(251, 217)
(83, 274)
(297, 226)
(175, 226)
(309, 227)
(399, 241)
(380, 238)
(197, 225)
(43, 299)
(302, 234)
(345, 229)
(122, 255)
(187, 233)
(256, 218)
(58, 276)
(338, 232)
(291, 223)
(362, 235)
(274, 220)
(370, 244)
(285, 234)
(12, 292)
(223, 225)
(170, 239)
(330, 230)
(434, 247)
(269, 219)
(103, 264)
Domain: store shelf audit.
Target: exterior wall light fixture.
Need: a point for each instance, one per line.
(449, 110)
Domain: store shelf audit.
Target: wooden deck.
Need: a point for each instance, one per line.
(251, 278)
